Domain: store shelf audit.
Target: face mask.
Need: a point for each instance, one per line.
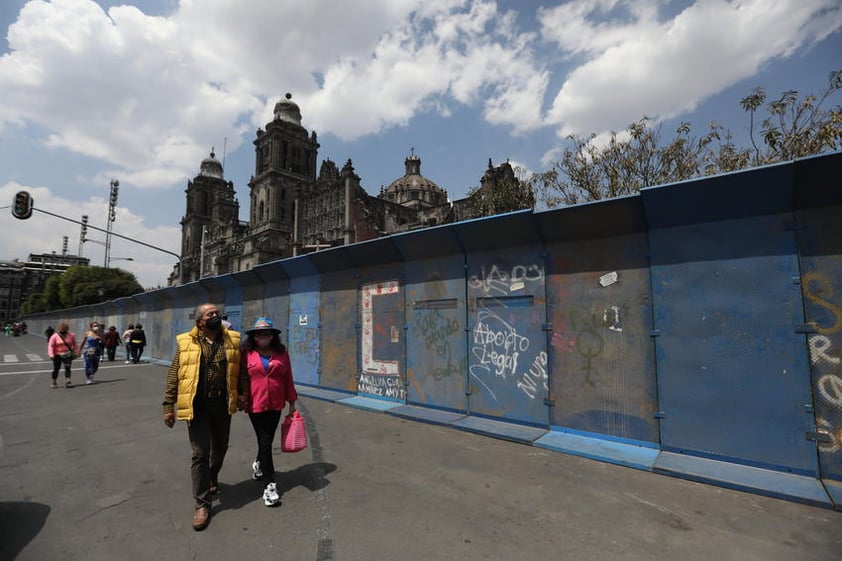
(213, 323)
(63, 331)
(263, 342)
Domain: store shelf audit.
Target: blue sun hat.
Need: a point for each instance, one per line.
(263, 324)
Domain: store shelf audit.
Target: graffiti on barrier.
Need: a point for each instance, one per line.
(819, 290)
(436, 330)
(497, 348)
(304, 343)
(586, 336)
(379, 376)
(383, 386)
(501, 281)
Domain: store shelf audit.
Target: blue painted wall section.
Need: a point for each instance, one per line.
(693, 330)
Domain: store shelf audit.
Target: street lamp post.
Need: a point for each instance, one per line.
(112, 203)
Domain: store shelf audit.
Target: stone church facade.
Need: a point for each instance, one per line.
(293, 210)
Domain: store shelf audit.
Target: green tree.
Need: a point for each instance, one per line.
(641, 157)
(45, 301)
(80, 285)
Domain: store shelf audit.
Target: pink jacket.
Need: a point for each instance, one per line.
(269, 390)
(55, 346)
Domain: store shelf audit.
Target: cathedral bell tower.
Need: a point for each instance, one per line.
(212, 209)
(285, 162)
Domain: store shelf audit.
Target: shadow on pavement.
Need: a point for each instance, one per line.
(310, 476)
(19, 524)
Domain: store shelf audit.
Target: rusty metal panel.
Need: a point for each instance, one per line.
(382, 333)
(733, 374)
(339, 331)
(601, 356)
(436, 346)
(820, 246)
(303, 329)
(507, 357)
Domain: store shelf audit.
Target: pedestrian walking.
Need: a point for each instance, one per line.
(62, 348)
(127, 341)
(111, 339)
(91, 352)
(138, 340)
(49, 332)
(205, 389)
(267, 367)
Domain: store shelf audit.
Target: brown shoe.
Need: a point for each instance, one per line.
(201, 517)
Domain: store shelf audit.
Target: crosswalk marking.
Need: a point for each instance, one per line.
(30, 357)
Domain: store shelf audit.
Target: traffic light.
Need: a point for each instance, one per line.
(84, 227)
(22, 207)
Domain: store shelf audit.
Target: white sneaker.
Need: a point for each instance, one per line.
(270, 495)
(256, 472)
(89, 381)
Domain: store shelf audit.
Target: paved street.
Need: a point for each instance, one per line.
(91, 473)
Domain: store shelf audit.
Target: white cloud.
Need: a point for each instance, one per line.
(640, 66)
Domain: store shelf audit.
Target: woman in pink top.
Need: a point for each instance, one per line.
(62, 348)
(266, 362)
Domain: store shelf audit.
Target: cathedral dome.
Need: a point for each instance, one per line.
(211, 167)
(287, 110)
(413, 189)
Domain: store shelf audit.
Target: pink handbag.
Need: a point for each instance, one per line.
(293, 433)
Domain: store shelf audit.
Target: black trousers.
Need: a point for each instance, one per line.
(57, 363)
(265, 426)
(208, 431)
(137, 350)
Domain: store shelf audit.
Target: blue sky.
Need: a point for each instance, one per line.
(141, 90)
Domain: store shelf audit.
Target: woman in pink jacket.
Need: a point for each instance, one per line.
(271, 387)
(62, 348)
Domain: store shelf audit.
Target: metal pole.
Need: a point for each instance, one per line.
(112, 202)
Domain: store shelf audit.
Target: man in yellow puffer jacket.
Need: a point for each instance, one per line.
(204, 388)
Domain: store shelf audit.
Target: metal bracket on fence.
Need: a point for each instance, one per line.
(818, 436)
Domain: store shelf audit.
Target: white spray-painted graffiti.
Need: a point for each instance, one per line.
(502, 281)
(497, 350)
(828, 382)
(379, 377)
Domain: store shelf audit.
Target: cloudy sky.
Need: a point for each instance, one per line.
(141, 90)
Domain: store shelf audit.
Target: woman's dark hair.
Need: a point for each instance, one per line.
(275, 345)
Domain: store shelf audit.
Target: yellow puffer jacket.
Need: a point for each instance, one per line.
(189, 355)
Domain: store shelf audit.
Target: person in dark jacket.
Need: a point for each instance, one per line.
(111, 338)
(138, 341)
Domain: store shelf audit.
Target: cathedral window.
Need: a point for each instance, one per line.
(260, 211)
